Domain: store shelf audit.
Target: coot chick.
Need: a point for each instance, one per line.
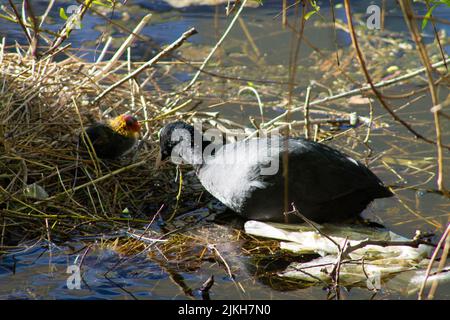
(115, 137)
(247, 176)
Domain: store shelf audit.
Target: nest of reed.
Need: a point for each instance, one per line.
(46, 188)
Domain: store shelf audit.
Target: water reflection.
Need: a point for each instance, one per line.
(41, 273)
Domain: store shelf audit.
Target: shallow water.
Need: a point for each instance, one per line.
(40, 273)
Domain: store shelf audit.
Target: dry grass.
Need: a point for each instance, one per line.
(43, 106)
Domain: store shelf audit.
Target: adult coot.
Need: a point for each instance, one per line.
(247, 176)
(115, 137)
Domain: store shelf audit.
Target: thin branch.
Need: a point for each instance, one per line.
(35, 40)
(360, 90)
(433, 258)
(306, 113)
(311, 223)
(345, 250)
(408, 13)
(369, 79)
(177, 43)
(126, 44)
(438, 40)
(19, 20)
(65, 31)
(47, 11)
(225, 34)
(440, 267)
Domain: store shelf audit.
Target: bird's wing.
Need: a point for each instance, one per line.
(320, 173)
(317, 173)
(98, 134)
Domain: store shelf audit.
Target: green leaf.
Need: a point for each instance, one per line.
(447, 2)
(428, 16)
(314, 5)
(309, 14)
(62, 13)
(102, 4)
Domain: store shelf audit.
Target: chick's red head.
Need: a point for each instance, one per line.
(126, 125)
(132, 123)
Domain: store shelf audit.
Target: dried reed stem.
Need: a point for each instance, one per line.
(369, 79)
(177, 43)
(408, 14)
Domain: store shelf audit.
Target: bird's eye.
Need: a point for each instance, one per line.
(130, 121)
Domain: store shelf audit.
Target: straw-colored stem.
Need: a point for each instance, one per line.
(126, 44)
(433, 258)
(177, 43)
(408, 13)
(216, 46)
(365, 71)
(306, 113)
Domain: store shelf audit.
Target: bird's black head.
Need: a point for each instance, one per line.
(174, 134)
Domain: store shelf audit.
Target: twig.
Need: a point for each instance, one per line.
(285, 9)
(65, 31)
(408, 13)
(345, 250)
(151, 222)
(312, 224)
(230, 274)
(103, 52)
(84, 255)
(336, 48)
(363, 267)
(360, 90)
(293, 60)
(384, 243)
(260, 104)
(306, 112)
(205, 62)
(120, 287)
(369, 79)
(128, 42)
(284, 12)
(369, 125)
(177, 43)
(249, 37)
(47, 11)
(335, 273)
(433, 23)
(35, 40)
(433, 258)
(440, 267)
(206, 286)
(19, 20)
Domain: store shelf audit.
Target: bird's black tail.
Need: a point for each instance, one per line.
(382, 192)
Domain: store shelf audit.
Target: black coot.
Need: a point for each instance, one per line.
(114, 138)
(247, 176)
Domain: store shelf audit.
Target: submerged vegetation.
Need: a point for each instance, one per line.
(49, 94)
